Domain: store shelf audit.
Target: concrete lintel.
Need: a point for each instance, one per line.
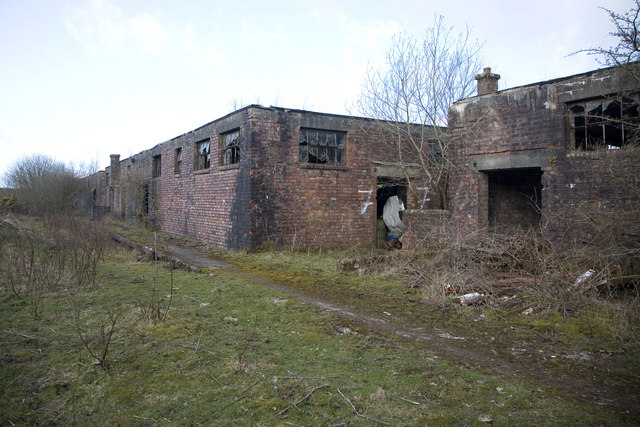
(396, 170)
(512, 161)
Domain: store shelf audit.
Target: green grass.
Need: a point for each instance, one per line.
(232, 353)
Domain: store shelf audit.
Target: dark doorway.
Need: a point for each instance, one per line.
(387, 187)
(515, 198)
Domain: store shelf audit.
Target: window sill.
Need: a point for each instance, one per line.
(322, 166)
(230, 167)
(202, 171)
(597, 153)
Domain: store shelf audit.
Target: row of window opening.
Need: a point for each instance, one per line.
(316, 147)
(230, 153)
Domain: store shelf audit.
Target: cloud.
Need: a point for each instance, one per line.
(99, 25)
(149, 32)
(103, 28)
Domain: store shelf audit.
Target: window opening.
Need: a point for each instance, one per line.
(322, 146)
(605, 123)
(156, 166)
(177, 161)
(203, 158)
(230, 148)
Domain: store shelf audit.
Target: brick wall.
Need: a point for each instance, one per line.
(313, 204)
(269, 196)
(529, 128)
(212, 204)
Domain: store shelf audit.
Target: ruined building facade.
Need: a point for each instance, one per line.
(525, 157)
(263, 175)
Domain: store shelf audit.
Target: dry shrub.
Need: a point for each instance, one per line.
(38, 259)
(523, 270)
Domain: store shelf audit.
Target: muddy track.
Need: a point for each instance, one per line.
(586, 379)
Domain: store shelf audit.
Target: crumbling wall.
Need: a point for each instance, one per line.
(530, 128)
(510, 130)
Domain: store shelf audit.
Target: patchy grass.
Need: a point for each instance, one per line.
(231, 353)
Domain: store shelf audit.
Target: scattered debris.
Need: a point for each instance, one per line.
(449, 288)
(582, 279)
(527, 312)
(582, 356)
(279, 300)
(346, 265)
(230, 319)
(449, 336)
(468, 299)
(343, 330)
(486, 418)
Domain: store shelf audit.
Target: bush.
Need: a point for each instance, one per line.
(46, 186)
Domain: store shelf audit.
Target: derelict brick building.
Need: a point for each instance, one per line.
(261, 175)
(524, 156)
(520, 158)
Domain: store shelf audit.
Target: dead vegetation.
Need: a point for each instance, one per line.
(524, 272)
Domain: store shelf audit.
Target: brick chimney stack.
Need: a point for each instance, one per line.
(487, 82)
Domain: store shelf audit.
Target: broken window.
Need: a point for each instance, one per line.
(322, 146)
(435, 154)
(203, 159)
(177, 161)
(605, 123)
(230, 148)
(156, 166)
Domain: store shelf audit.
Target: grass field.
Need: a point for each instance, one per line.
(213, 349)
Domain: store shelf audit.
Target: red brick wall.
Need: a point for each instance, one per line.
(198, 203)
(269, 196)
(306, 204)
(528, 127)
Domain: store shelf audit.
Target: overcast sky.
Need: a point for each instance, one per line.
(82, 79)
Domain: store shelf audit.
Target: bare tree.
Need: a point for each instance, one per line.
(46, 185)
(626, 33)
(411, 93)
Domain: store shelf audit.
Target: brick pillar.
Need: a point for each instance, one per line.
(115, 169)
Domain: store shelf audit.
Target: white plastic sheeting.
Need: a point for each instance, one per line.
(391, 216)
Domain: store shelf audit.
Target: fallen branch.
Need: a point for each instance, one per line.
(295, 405)
(355, 411)
(410, 401)
(18, 333)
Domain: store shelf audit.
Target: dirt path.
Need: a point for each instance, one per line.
(581, 375)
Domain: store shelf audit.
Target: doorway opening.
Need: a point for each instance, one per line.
(515, 199)
(387, 187)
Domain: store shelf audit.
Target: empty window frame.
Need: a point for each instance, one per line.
(156, 166)
(177, 161)
(609, 122)
(322, 146)
(202, 155)
(230, 148)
